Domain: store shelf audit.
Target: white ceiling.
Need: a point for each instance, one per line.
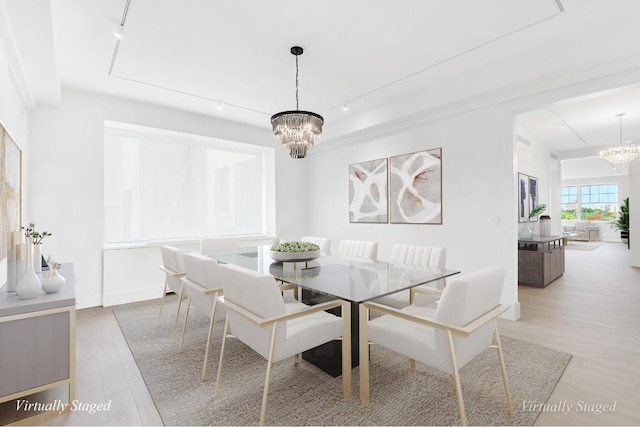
(385, 59)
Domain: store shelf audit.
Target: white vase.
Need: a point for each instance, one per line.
(37, 257)
(29, 285)
(53, 282)
(526, 231)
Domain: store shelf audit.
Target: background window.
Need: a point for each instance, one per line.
(590, 202)
(569, 202)
(599, 202)
(164, 186)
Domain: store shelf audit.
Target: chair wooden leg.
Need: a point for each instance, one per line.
(456, 377)
(296, 359)
(412, 296)
(206, 352)
(346, 350)
(507, 392)
(184, 327)
(265, 392)
(164, 293)
(224, 341)
(175, 322)
(363, 313)
(412, 365)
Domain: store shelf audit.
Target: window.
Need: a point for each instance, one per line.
(569, 202)
(597, 202)
(161, 185)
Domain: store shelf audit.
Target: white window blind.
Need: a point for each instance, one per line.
(162, 185)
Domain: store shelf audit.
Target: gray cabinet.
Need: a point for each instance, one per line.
(540, 260)
(37, 341)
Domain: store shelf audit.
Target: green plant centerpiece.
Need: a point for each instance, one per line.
(295, 251)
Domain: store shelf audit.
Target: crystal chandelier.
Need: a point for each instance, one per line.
(621, 154)
(297, 130)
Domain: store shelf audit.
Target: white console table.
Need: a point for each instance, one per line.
(37, 341)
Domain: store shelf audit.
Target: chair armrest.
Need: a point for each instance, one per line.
(283, 318)
(287, 287)
(456, 330)
(427, 291)
(592, 227)
(173, 273)
(199, 288)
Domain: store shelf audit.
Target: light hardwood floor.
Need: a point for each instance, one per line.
(592, 312)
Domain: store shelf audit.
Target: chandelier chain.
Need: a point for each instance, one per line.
(297, 103)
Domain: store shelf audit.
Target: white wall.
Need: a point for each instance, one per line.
(14, 117)
(66, 174)
(478, 184)
(534, 159)
(634, 219)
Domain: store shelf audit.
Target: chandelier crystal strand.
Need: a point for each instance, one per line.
(297, 130)
(621, 154)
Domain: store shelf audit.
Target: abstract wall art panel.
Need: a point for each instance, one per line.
(527, 196)
(368, 192)
(533, 196)
(10, 188)
(415, 188)
(523, 197)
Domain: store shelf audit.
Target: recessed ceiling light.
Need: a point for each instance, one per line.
(220, 106)
(562, 126)
(345, 107)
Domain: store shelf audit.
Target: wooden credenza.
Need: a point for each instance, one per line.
(37, 341)
(540, 260)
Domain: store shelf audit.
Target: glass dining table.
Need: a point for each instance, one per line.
(329, 277)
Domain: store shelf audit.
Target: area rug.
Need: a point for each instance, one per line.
(304, 395)
(577, 245)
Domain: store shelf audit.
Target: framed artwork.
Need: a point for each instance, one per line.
(533, 195)
(368, 192)
(415, 188)
(10, 188)
(523, 197)
(527, 196)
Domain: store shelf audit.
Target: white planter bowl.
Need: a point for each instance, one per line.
(294, 256)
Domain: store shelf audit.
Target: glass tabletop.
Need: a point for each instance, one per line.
(348, 279)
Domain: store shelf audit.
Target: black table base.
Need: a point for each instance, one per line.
(328, 357)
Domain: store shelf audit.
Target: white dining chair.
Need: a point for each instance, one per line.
(173, 268)
(358, 249)
(203, 282)
(323, 243)
(420, 257)
(447, 338)
(258, 316)
(212, 245)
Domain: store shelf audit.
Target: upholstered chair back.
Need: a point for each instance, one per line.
(218, 244)
(205, 272)
(358, 249)
(172, 259)
(463, 300)
(419, 256)
(258, 294)
(325, 244)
